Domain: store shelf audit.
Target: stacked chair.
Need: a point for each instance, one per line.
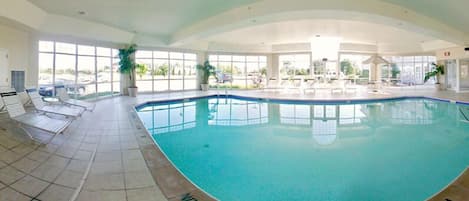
(35, 120)
(64, 98)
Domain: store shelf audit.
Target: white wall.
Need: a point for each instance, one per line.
(464, 75)
(4, 79)
(452, 53)
(18, 43)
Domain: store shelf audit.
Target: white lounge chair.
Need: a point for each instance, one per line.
(337, 85)
(2, 106)
(349, 87)
(42, 106)
(272, 84)
(310, 86)
(18, 114)
(62, 94)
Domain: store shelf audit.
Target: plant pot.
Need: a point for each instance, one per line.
(439, 87)
(204, 87)
(133, 91)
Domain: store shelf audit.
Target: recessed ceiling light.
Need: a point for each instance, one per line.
(318, 35)
(81, 12)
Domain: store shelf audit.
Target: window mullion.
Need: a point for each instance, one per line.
(76, 73)
(95, 72)
(152, 70)
(53, 67)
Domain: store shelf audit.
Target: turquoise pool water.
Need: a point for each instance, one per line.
(247, 150)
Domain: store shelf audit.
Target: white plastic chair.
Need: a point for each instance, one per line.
(25, 119)
(310, 86)
(42, 106)
(272, 84)
(337, 85)
(63, 96)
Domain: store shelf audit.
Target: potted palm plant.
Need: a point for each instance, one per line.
(205, 71)
(438, 70)
(127, 66)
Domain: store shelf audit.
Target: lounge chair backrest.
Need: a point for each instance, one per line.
(310, 83)
(36, 99)
(339, 83)
(296, 83)
(273, 83)
(12, 103)
(285, 82)
(62, 93)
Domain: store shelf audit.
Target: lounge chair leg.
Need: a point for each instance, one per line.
(26, 131)
(32, 138)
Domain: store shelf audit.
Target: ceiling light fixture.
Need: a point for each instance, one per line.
(81, 12)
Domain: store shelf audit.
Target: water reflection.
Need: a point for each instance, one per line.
(324, 121)
(164, 118)
(234, 112)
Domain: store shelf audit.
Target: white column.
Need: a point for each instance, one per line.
(373, 72)
(202, 56)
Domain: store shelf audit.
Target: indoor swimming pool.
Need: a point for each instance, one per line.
(248, 149)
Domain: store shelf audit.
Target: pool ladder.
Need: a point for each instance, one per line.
(218, 90)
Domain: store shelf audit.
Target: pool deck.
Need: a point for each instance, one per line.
(108, 155)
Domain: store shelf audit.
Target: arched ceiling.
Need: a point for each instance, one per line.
(301, 31)
(452, 12)
(153, 17)
(182, 22)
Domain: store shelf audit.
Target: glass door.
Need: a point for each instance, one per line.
(451, 76)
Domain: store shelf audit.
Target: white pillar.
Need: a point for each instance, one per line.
(372, 75)
(202, 56)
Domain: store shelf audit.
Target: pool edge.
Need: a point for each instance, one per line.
(188, 191)
(283, 100)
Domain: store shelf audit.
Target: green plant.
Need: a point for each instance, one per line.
(141, 70)
(347, 67)
(438, 69)
(127, 64)
(394, 70)
(206, 70)
(263, 71)
(161, 70)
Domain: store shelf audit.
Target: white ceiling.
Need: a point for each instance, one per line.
(153, 17)
(163, 19)
(451, 12)
(300, 31)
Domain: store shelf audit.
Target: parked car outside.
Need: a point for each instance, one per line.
(48, 90)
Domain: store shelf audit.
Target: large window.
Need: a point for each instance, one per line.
(408, 70)
(295, 66)
(352, 67)
(245, 71)
(166, 71)
(85, 71)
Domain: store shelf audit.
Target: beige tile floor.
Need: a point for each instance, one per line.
(106, 154)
